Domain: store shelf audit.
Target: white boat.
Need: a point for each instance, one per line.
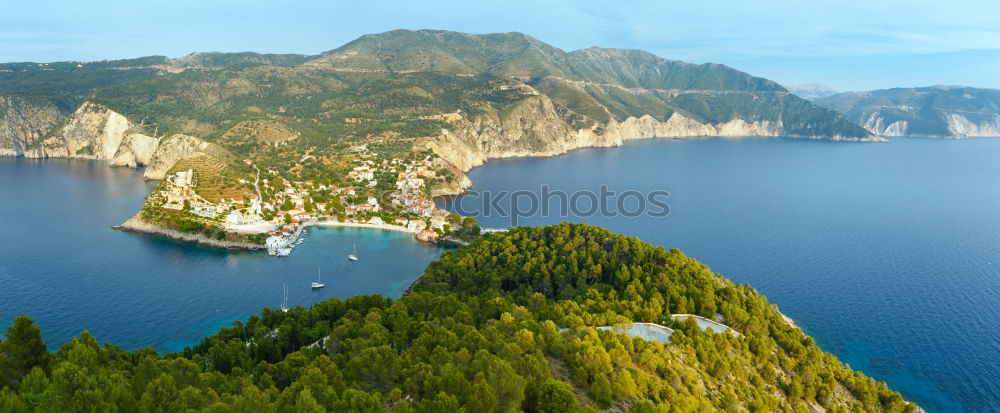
(283, 252)
(319, 281)
(284, 300)
(354, 256)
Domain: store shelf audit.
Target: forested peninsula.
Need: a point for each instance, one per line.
(504, 324)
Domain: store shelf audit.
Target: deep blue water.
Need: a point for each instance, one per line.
(63, 265)
(887, 254)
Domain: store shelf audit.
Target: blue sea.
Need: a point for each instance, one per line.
(63, 265)
(888, 254)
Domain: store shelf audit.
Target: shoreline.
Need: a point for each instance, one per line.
(468, 184)
(788, 320)
(338, 224)
(137, 225)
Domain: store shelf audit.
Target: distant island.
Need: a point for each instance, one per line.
(250, 147)
(937, 111)
(513, 322)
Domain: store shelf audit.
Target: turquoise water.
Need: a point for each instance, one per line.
(62, 264)
(887, 254)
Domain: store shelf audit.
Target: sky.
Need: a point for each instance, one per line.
(847, 45)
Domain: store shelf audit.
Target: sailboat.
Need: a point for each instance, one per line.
(319, 281)
(284, 300)
(354, 256)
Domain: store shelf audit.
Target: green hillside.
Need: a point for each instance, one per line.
(498, 54)
(481, 333)
(637, 68)
(620, 81)
(394, 79)
(68, 84)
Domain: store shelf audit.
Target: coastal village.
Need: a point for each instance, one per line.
(282, 209)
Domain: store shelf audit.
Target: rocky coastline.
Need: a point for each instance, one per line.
(137, 225)
(537, 130)
(534, 128)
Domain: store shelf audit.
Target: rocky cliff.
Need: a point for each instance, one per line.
(135, 150)
(171, 150)
(937, 111)
(92, 131)
(40, 130)
(536, 127)
(946, 125)
(23, 124)
(960, 125)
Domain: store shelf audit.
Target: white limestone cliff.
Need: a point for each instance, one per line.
(135, 150)
(92, 132)
(961, 126)
(535, 128)
(957, 124)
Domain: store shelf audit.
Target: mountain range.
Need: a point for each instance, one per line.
(470, 97)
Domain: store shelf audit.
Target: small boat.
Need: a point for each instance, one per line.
(319, 281)
(284, 300)
(283, 252)
(354, 256)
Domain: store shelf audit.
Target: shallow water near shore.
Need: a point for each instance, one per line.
(887, 254)
(63, 265)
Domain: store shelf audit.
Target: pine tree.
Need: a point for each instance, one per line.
(556, 397)
(600, 391)
(22, 350)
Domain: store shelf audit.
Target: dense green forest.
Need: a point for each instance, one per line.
(479, 333)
